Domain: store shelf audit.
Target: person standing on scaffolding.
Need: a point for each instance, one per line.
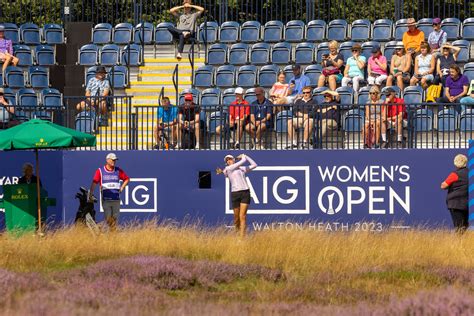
(186, 27)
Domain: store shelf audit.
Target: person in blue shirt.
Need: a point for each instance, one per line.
(260, 117)
(167, 123)
(297, 83)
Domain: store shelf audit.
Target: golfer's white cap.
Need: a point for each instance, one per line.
(228, 157)
(111, 156)
(239, 90)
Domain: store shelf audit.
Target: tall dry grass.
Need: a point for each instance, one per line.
(298, 253)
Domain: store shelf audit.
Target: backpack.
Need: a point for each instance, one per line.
(433, 92)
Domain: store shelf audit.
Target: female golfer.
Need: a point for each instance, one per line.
(235, 171)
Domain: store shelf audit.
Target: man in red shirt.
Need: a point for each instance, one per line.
(239, 113)
(396, 116)
(109, 177)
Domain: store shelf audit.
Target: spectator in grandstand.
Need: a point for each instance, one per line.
(280, 90)
(424, 67)
(458, 197)
(456, 86)
(166, 125)
(375, 114)
(97, 87)
(6, 51)
(186, 27)
(240, 192)
(377, 67)
(297, 83)
(109, 177)
(448, 56)
(28, 176)
(413, 37)
(239, 113)
(354, 70)
(189, 123)
(400, 67)
(302, 118)
(328, 112)
(7, 110)
(333, 64)
(437, 38)
(469, 100)
(396, 115)
(260, 117)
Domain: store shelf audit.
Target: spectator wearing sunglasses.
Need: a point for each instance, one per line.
(377, 67)
(449, 55)
(400, 66)
(302, 118)
(260, 117)
(354, 70)
(437, 37)
(413, 38)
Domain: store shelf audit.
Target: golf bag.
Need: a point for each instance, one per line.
(85, 206)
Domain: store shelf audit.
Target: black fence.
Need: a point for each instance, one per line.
(135, 11)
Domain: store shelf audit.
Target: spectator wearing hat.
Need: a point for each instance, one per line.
(239, 113)
(448, 56)
(186, 27)
(354, 70)
(377, 67)
(189, 122)
(6, 51)
(260, 117)
(333, 64)
(97, 87)
(400, 66)
(437, 37)
(375, 114)
(396, 114)
(328, 112)
(167, 124)
(302, 118)
(424, 67)
(7, 110)
(413, 37)
(297, 83)
(456, 86)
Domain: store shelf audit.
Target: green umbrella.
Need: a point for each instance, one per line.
(39, 134)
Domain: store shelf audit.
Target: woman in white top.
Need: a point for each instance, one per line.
(240, 193)
(424, 67)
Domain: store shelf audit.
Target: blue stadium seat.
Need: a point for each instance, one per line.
(367, 49)
(24, 54)
(401, 26)
(228, 96)
(45, 55)
(109, 55)
(86, 122)
(210, 97)
(346, 97)
(12, 32)
(389, 49)
(273, 32)
(135, 52)
(196, 94)
(216, 119)
(10, 95)
(88, 55)
(464, 54)
(267, 75)
(304, 53)
(229, 32)
(162, 35)
(118, 77)
(313, 72)
(466, 122)
(345, 49)
(225, 76)
(250, 32)
(363, 96)
(337, 30)
(209, 34)
(247, 76)
(14, 77)
(452, 26)
(122, 33)
(469, 71)
(250, 95)
(102, 33)
(38, 77)
(288, 70)
(281, 53)
(323, 48)
(27, 98)
(316, 31)
(203, 76)
(217, 54)
(317, 96)
(30, 34)
(426, 26)
(259, 54)
(447, 120)
(143, 32)
(360, 30)
(238, 54)
(382, 30)
(468, 29)
(294, 31)
(53, 34)
(51, 98)
(423, 120)
(413, 95)
(281, 121)
(354, 120)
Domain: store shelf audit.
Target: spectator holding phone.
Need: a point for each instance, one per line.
(424, 67)
(332, 67)
(377, 67)
(297, 83)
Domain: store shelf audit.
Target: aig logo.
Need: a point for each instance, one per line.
(139, 196)
(276, 190)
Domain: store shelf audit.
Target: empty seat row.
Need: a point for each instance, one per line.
(125, 33)
(35, 77)
(117, 76)
(43, 55)
(109, 55)
(26, 97)
(32, 34)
